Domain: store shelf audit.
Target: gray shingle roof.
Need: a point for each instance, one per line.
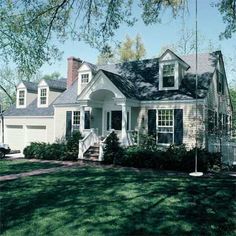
(30, 110)
(56, 85)
(69, 96)
(30, 86)
(144, 75)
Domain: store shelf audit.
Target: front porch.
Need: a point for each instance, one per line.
(103, 109)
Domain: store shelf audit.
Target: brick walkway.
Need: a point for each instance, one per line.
(69, 164)
(65, 164)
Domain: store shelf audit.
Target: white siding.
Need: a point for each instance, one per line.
(189, 124)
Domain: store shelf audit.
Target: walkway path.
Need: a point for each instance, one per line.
(69, 164)
(65, 164)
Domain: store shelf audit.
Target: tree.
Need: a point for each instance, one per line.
(30, 30)
(107, 56)
(233, 99)
(126, 52)
(140, 50)
(54, 76)
(227, 9)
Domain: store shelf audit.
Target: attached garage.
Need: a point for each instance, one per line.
(15, 137)
(36, 133)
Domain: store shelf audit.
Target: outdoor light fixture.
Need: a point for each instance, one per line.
(196, 173)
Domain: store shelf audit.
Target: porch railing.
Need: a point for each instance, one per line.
(90, 139)
(102, 145)
(228, 150)
(133, 137)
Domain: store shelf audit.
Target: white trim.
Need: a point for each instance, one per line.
(92, 82)
(173, 126)
(28, 117)
(176, 75)
(39, 96)
(17, 98)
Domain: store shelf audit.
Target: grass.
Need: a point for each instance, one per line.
(97, 201)
(8, 167)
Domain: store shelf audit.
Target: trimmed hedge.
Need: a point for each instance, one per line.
(64, 151)
(176, 158)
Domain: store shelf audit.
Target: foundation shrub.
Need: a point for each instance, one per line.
(175, 158)
(64, 150)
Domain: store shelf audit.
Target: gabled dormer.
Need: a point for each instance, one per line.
(85, 73)
(49, 90)
(26, 93)
(171, 71)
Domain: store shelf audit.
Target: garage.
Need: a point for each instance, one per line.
(36, 133)
(15, 137)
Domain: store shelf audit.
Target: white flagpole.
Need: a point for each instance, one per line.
(196, 173)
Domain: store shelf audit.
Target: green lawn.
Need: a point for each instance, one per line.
(97, 201)
(8, 167)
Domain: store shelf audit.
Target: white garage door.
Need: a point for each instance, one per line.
(36, 134)
(15, 137)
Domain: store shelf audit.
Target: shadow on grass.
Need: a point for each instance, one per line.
(96, 201)
(8, 167)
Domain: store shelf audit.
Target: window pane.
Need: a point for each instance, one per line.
(85, 78)
(76, 118)
(43, 100)
(168, 81)
(165, 138)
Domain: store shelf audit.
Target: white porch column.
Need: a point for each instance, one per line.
(81, 119)
(124, 138)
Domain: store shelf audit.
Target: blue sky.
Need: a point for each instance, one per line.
(154, 36)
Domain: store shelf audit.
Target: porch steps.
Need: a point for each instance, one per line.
(92, 153)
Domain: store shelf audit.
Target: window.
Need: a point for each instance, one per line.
(220, 82)
(165, 129)
(108, 120)
(87, 119)
(168, 76)
(211, 121)
(76, 118)
(21, 97)
(43, 96)
(85, 78)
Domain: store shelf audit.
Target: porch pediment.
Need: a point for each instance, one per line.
(101, 86)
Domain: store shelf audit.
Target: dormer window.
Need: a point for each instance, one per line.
(85, 78)
(43, 96)
(168, 76)
(21, 97)
(171, 71)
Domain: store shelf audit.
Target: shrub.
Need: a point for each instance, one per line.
(176, 158)
(113, 152)
(57, 151)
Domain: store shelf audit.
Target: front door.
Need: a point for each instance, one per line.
(116, 120)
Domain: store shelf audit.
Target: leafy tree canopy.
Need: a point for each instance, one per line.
(30, 28)
(129, 49)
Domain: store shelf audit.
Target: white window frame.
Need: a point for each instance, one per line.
(18, 98)
(39, 96)
(176, 75)
(87, 79)
(75, 125)
(166, 126)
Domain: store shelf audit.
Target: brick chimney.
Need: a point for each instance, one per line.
(73, 65)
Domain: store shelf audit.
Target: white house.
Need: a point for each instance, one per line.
(153, 96)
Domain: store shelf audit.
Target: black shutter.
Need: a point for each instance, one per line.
(178, 129)
(68, 123)
(152, 122)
